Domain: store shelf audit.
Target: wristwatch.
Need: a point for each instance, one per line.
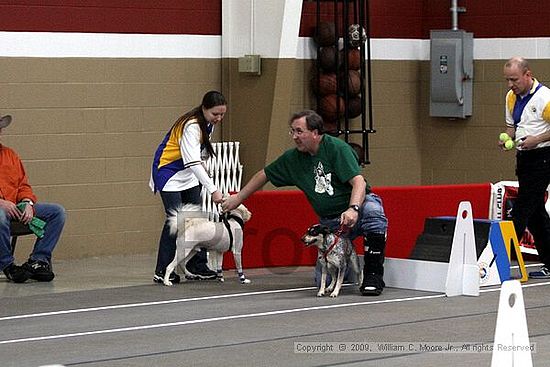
(355, 207)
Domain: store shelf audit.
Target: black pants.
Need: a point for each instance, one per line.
(533, 172)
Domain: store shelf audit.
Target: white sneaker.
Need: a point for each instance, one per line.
(543, 273)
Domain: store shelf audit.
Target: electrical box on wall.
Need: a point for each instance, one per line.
(451, 73)
(250, 64)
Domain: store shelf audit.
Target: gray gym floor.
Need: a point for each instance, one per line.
(107, 312)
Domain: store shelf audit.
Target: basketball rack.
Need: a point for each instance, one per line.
(345, 13)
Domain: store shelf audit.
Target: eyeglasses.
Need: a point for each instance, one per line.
(297, 132)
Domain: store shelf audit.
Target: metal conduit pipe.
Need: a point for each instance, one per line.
(455, 9)
(454, 12)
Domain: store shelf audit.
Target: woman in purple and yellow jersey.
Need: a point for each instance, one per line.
(178, 174)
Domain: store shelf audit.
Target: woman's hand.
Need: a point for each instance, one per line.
(217, 197)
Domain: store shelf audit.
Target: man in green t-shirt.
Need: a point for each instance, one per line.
(326, 169)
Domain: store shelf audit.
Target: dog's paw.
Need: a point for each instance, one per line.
(220, 279)
(320, 294)
(334, 295)
(168, 283)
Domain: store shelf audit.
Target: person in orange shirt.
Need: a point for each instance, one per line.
(18, 203)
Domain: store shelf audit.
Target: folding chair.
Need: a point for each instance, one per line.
(18, 229)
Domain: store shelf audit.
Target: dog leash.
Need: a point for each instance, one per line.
(225, 219)
(343, 229)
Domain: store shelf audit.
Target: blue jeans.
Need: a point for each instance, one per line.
(53, 214)
(372, 219)
(167, 245)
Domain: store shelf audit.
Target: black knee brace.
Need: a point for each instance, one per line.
(375, 246)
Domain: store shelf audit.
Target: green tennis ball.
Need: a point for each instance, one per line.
(504, 137)
(509, 144)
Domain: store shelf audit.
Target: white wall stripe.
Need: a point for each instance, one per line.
(111, 45)
(108, 45)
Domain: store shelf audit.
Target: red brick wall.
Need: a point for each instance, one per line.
(113, 16)
(389, 18)
(415, 18)
(394, 18)
(491, 18)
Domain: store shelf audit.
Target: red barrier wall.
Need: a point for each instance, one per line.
(280, 218)
(486, 19)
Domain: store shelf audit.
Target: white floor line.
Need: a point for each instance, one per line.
(225, 318)
(221, 318)
(153, 303)
(156, 303)
(527, 265)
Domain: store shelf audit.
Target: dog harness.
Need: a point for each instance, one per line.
(225, 219)
(343, 229)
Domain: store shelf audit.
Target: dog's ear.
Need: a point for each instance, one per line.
(245, 213)
(317, 229)
(325, 230)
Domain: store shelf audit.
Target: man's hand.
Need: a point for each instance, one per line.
(349, 218)
(529, 142)
(10, 209)
(27, 214)
(231, 202)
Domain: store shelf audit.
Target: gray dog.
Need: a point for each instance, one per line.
(336, 253)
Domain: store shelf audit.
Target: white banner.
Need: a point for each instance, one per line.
(503, 196)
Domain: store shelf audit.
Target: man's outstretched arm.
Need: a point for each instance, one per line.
(256, 182)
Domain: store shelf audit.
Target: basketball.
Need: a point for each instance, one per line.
(331, 107)
(354, 107)
(327, 58)
(326, 34)
(354, 82)
(359, 151)
(354, 59)
(326, 84)
(330, 127)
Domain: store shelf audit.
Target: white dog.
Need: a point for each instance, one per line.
(195, 230)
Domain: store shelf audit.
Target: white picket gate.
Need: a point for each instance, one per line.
(226, 171)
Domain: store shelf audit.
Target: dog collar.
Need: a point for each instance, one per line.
(235, 218)
(225, 219)
(337, 236)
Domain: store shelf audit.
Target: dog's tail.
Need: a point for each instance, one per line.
(185, 211)
(356, 267)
